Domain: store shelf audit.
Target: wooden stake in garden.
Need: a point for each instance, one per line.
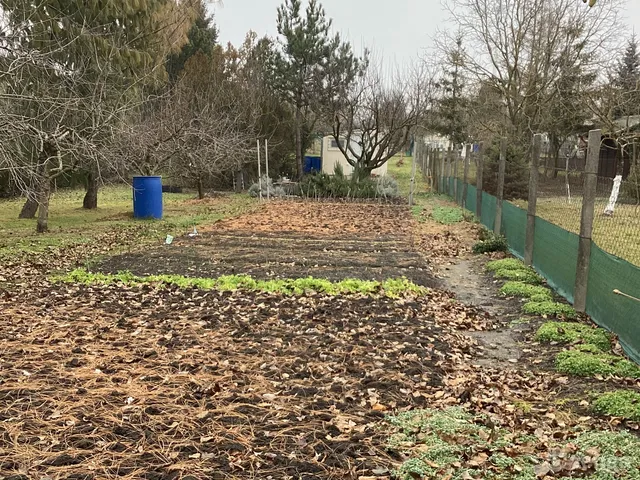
(497, 226)
(266, 159)
(586, 221)
(413, 174)
(259, 172)
(533, 197)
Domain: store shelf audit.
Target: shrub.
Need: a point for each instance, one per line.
(387, 187)
(589, 361)
(516, 178)
(327, 186)
(630, 188)
(621, 403)
(493, 244)
(566, 332)
(267, 186)
(526, 290)
(549, 307)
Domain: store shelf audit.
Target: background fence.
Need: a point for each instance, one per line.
(556, 227)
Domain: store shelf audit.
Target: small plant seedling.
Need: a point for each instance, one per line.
(525, 276)
(393, 287)
(447, 215)
(525, 290)
(506, 264)
(620, 403)
(588, 361)
(571, 332)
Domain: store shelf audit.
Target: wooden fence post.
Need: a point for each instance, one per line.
(479, 171)
(497, 226)
(586, 221)
(465, 175)
(442, 171)
(455, 177)
(533, 198)
(412, 184)
(449, 168)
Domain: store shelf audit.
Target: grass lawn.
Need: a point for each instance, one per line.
(618, 235)
(69, 224)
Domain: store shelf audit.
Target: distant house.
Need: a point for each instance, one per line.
(612, 151)
(325, 154)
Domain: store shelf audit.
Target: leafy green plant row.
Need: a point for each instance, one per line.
(393, 287)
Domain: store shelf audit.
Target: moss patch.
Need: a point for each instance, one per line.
(506, 264)
(514, 269)
(525, 290)
(587, 361)
(455, 444)
(549, 308)
(447, 215)
(622, 403)
(391, 288)
(570, 332)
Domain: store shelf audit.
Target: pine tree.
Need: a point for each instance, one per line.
(452, 117)
(307, 54)
(627, 80)
(202, 37)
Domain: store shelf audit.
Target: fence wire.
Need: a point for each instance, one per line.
(616, 226)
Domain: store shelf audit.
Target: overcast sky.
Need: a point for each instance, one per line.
(397, 29)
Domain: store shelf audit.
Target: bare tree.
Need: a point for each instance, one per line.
(521, 48)
(375, 119)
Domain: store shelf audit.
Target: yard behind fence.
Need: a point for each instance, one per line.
(590, 258)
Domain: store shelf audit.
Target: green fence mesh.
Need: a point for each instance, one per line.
(488, 210)
(471, 198)
(555, 256)
(514, 226)
(615, 312)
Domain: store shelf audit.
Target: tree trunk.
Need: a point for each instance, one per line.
(200, 188)
(43, 201)
(30, 207)
(298, 128)
(90, 201)
(239, 181)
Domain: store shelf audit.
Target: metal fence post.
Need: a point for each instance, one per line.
(533, 198)
(479, 169)
(465, 175)
(586, 221)
(497, 226)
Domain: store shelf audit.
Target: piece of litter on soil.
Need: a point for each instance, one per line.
(194, 233)
(168, 240)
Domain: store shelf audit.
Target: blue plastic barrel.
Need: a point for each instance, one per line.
(147, 197)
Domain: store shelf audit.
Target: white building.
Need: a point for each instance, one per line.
(332, 155)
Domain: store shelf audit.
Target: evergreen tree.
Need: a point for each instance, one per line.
(627, 80)
(452, 116)
(202, 37)
(307, 58)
